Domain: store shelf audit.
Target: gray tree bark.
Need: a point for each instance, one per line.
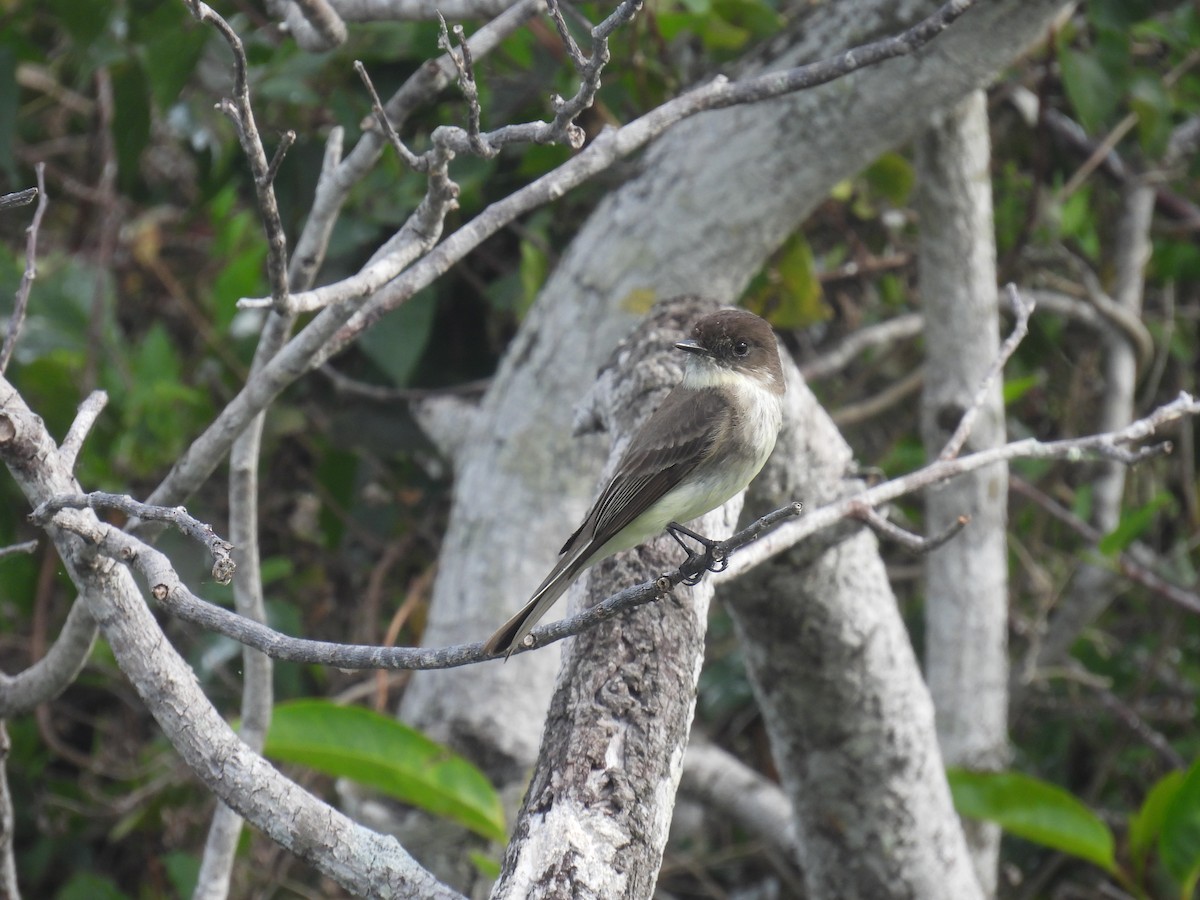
(850, 720)
(966, 599)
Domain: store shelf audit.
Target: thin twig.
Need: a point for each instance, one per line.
(381, 117)
(223, 565)
(21, 303)
(1126, 563)
(89, 411)
(285, 143)
(1073, 450)
(344, 384)
(915, 542)
(240, 111)
(569, 44)
(848, 349)
(1023, 309)
(391, 291)
(14, 549)
(466, 83)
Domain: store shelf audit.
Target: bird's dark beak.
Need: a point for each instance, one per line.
(692, 346)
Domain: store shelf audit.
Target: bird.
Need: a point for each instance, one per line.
(705, 442)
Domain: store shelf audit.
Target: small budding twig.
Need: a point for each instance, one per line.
(466, 82)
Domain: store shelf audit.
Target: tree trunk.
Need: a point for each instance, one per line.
(850, 720)
(966, 602)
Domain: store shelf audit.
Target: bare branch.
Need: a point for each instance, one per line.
(53, 673)
(869, 407)
(85, 418)
(1070, 449)
(466, 82)
(366, 863)
(9, 888)
(285, 144)
(1126, 563)
(569, 44)
(837, 358)
(729, 787)
(240, 111)
(18, 198)
(14, 549)
(322, 28)
(381, 118)
(915, 542)
(608, 147)
(1023, 310)
(21, 303)
(223, 565)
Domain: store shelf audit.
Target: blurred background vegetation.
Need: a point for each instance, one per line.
(151, 236)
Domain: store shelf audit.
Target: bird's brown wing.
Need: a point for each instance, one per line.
(686, 424)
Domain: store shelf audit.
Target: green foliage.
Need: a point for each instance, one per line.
(375, 750)
(1133, 524)
(1168, 822)
(789, 296)
(86, 886)
(1035, 810)
(1179, 841)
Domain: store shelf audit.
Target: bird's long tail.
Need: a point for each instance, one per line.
(509, 636)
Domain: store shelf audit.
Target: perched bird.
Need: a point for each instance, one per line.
(709, 438)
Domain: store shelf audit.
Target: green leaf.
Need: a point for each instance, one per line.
(791, 295)
(183, 870)
(1179, 841)
(892, 177)
(375, 750)
(1149, 99)
(1133, 524)
(1036, 811)
(534, 268)
(397, 342)
(87, 886)
(1090, 88)
(1016, 388)
(84, 21)
(1146, 825)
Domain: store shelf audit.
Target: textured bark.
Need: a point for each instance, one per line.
(850, 720)
(597, 813)
(966, 601)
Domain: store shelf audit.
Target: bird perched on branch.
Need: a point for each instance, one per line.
(705, 443)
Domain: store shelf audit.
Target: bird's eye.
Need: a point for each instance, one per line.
(741, 348)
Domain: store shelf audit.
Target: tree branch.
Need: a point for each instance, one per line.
(241, 113)
(21, 303)
(223, 565)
